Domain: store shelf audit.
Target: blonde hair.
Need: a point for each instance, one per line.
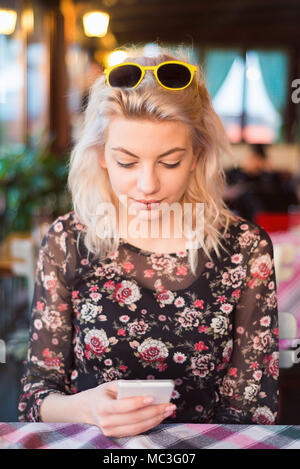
(90, 185)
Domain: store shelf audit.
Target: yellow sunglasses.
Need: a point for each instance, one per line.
(172, 75)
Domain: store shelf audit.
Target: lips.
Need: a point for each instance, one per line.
(147, 204)
(147, 201)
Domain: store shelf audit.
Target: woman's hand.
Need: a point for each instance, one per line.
(121, 417)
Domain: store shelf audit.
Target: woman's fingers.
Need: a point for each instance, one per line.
(132, 429)
(136, 416)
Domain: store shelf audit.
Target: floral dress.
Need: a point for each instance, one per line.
(143, 315)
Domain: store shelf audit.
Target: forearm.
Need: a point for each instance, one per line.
(64, 408)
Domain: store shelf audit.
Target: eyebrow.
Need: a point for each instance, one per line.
(173, 150)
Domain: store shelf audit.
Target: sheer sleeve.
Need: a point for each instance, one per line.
(248, 392)
(49, 357)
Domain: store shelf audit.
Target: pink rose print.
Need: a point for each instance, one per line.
(40, 306)
(126, 292)
(179, 358)
(163, 262)
(148, 273)
(50, 281)
(54, 362)
(200, 346)
(263, 416)
(96, 341)
(179, 302)
(221, 299)
(237, 258)
(257, 375)
(199, 304)
(189, 318)
(58, 227)
(181, 270)
(273, 364)
(236, 293)
(262, 341)
(139, 327)
(227, 352)
(227, 388)
(202, 365)
(128, 266)
(110, 285)
(165, 297)
(262, 267)
(152, 350)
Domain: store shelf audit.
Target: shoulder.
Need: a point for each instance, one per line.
(63, 233)
(66, 224)
(246, 235)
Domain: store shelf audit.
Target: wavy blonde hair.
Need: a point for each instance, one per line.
(89, 183)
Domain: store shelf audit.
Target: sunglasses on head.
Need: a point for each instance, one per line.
(172, 75)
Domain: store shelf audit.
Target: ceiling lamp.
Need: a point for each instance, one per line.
(95, 23)
(116, 57)
(27, 20)
(8, 19)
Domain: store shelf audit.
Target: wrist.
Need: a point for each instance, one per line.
(82, 408)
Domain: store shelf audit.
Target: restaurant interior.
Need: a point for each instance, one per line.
(51, 52)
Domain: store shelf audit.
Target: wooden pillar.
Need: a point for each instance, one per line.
(292, 115)
(59, 119)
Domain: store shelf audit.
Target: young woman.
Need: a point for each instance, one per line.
(114, 303)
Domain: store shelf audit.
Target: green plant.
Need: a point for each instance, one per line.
(34, 182)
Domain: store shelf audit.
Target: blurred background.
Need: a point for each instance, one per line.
(50, 54)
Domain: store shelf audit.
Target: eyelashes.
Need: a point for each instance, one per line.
(129, 165)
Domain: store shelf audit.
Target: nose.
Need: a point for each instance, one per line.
(148, 181)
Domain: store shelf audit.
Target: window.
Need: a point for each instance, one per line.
(248, 92)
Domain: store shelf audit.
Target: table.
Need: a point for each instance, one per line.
(287, 256)
(21, 435)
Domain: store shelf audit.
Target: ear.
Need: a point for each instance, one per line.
(102, 159)
(195, 159)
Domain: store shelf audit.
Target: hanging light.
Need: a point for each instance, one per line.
(27, 20)
(116, 57)
(95, 23)
(8, 19)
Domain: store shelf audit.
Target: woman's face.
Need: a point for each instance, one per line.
(149, 149)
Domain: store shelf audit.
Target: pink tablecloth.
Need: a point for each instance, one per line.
(171, 436)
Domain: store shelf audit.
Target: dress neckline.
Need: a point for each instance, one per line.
(146, 252)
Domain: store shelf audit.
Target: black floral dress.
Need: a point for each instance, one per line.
(142, 315)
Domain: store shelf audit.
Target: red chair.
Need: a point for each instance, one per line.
(294, 219)
(272, 222)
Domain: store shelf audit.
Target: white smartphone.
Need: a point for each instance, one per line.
(160, 389)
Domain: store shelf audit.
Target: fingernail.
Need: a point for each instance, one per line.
(170, 408)
(168, 412)
(148, 400)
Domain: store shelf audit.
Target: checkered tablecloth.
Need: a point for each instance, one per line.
(165, 436)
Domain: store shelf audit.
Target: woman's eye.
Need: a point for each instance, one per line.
(128, 165)
(125, 165)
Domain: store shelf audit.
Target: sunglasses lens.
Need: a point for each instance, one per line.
(125, 76)
(174, 75)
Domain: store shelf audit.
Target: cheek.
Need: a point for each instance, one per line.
(120, 181)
